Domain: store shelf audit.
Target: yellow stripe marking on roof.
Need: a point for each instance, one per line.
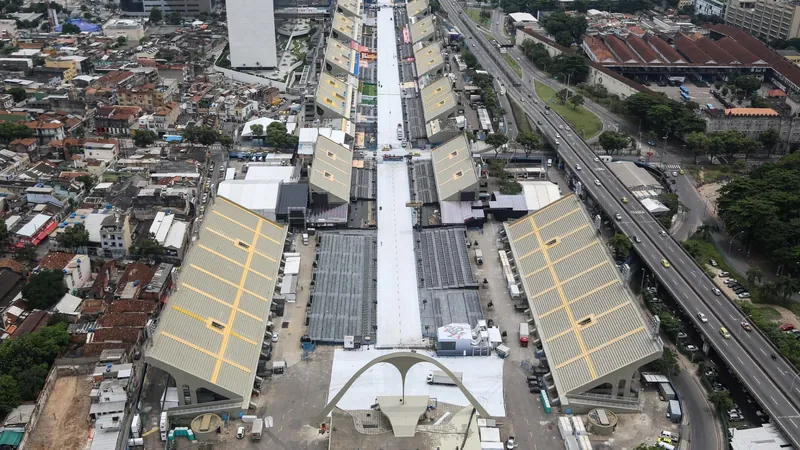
(233, 261)
(204, 351)
(227, 332)
(237, 243)
(246, 227)
(213, 275)
(559, 218)
(209, 296)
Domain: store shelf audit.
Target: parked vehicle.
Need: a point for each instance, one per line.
(524, 334)
(255, 430)
(478, 256)
(439, 377)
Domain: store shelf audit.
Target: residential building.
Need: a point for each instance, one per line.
(171, 234)
(46, 131)
(101, 149)
(26, 146)
(69, 67)
(162, 121)
(709, 7)
(8, 31)
(767, 20)
(190, 8)
(115, 120)
(132, 30)
(252, 39)
(12, 163)
(790, 54)
(149, 96)
(76, 268)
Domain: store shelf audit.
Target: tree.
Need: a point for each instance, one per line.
(78, 133)
(622, 246)
(87, 181)
(566, 28)
(496, 141)
(576, 100)
(174, 18)
(143, 138)
(148, 247)
(155, 15)
(698, 144)
(469, 59)
(10, 131)
(9, 394)
(19, 94)
(725, 91)
(721, 400)
(44, 289)
(529, 141)
(562, 95)
(87, 16)
(27, 252)
(647, 447)
(668, 363)
(258, 131)
(70, 28)
(746, 84)
(277, 136)
(754, 274)
(226, 141)
(613, 141)
(74, 237)
(122, 41)
(3, 231)
(769, 139)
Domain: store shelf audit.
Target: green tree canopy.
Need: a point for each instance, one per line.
(87, 180)
(721, 400)
(613, 141)
(668, 363)
(155, 15)
(147, 247)
(698, 144)
(277, 136)
(769, 139)
(529, 141)
(73, 237)
(496, 141)
(568, 29)
(622, 246)
(44, 289)
(143, 138)
(69, 28)
(19, 94)
(3, 231)
(10, 131)
(576, 100)
(746, 84)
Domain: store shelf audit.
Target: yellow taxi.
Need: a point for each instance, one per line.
(725, 333)
(665, 263)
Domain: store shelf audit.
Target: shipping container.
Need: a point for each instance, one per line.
(584, 443)
(666, 392)
(577, 425)
(571, 443)
(565, 427)
(674, 412)
(502, 351)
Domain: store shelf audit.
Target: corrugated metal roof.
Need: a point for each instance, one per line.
(291, 195)
(588, 321)
(416, 7)
(346, 25)
(633, 176)
(641, 47)
(688, 48)
(713, 50)
(454, 168)
(214, 324)
(331, 170)
(743, 55)
(621, 50)
(437, 99)
(422, 29)
(428, 59)
(334, 94)
(340, 56)
(666, 50)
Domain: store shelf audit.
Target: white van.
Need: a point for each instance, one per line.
(549, 163)
(305, 238)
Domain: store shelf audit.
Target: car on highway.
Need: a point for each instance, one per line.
(674, 174)
(558, 136)
(624, 200)
(577, 167)
(681, 171)
(662, 233)
(557, 142)
(637, 239)
(702, 317)
(725, 333)
(597, 182)
(473, 45)
(618, 216)
(681, 335)
(665, 263)
(746, 325)
(716, 291)
(560, 127)
(596, 159)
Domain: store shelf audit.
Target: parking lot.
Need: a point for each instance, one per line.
(700, 95)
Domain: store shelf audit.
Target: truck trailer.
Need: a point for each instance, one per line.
(524, 333)
(439, 377)
(255, 430)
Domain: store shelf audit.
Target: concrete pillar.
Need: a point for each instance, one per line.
(614, 386)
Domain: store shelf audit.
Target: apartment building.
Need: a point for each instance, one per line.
(149, 97)
(767, 20)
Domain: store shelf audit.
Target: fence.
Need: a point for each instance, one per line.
(49, 384)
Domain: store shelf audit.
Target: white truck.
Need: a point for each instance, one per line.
(439, 377)
(256, 428)
(479, 256)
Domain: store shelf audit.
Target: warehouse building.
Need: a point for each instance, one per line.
(210, 335)
(592, 330)
(454, 170)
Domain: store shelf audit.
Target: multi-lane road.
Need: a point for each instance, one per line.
(773, 383)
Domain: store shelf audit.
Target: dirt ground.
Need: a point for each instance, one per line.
(66, 415)
(710, 193)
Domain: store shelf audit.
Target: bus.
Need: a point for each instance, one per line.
(685, 97)
(684, 89)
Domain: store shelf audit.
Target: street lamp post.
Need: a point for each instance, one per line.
(731, 241)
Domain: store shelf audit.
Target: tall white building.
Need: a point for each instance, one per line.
(251, 32)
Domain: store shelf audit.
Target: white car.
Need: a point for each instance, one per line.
(557, 142)
(691, 348)
(596, 159)
(618, 216)
(511, 443)
(558, 136)
(274, 337)
(240, 433)
(716, 291)
(561, 127)
(597, 182)
(744, 295)
(577, 167)
(702, 317)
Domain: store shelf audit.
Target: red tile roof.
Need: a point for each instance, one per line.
(93, 306)
(13, 265)
(618, 46)
(713, 50)
(123, 306)
(599, 49)
(665, 49)
(116, 320)
(756, 47)
(123, 334)
(56, 260)
(737, 51)
(643, 49)
(33, 323)
(96, 348)
(688, 48)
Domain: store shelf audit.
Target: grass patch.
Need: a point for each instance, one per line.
(475, 15)
(513, 63)
(369, 89)
(523, 125)
(769, 313)
(581, 119)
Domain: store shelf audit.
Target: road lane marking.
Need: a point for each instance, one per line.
(740, 360)
(762, 351)
(757, 380)
(773, 399)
